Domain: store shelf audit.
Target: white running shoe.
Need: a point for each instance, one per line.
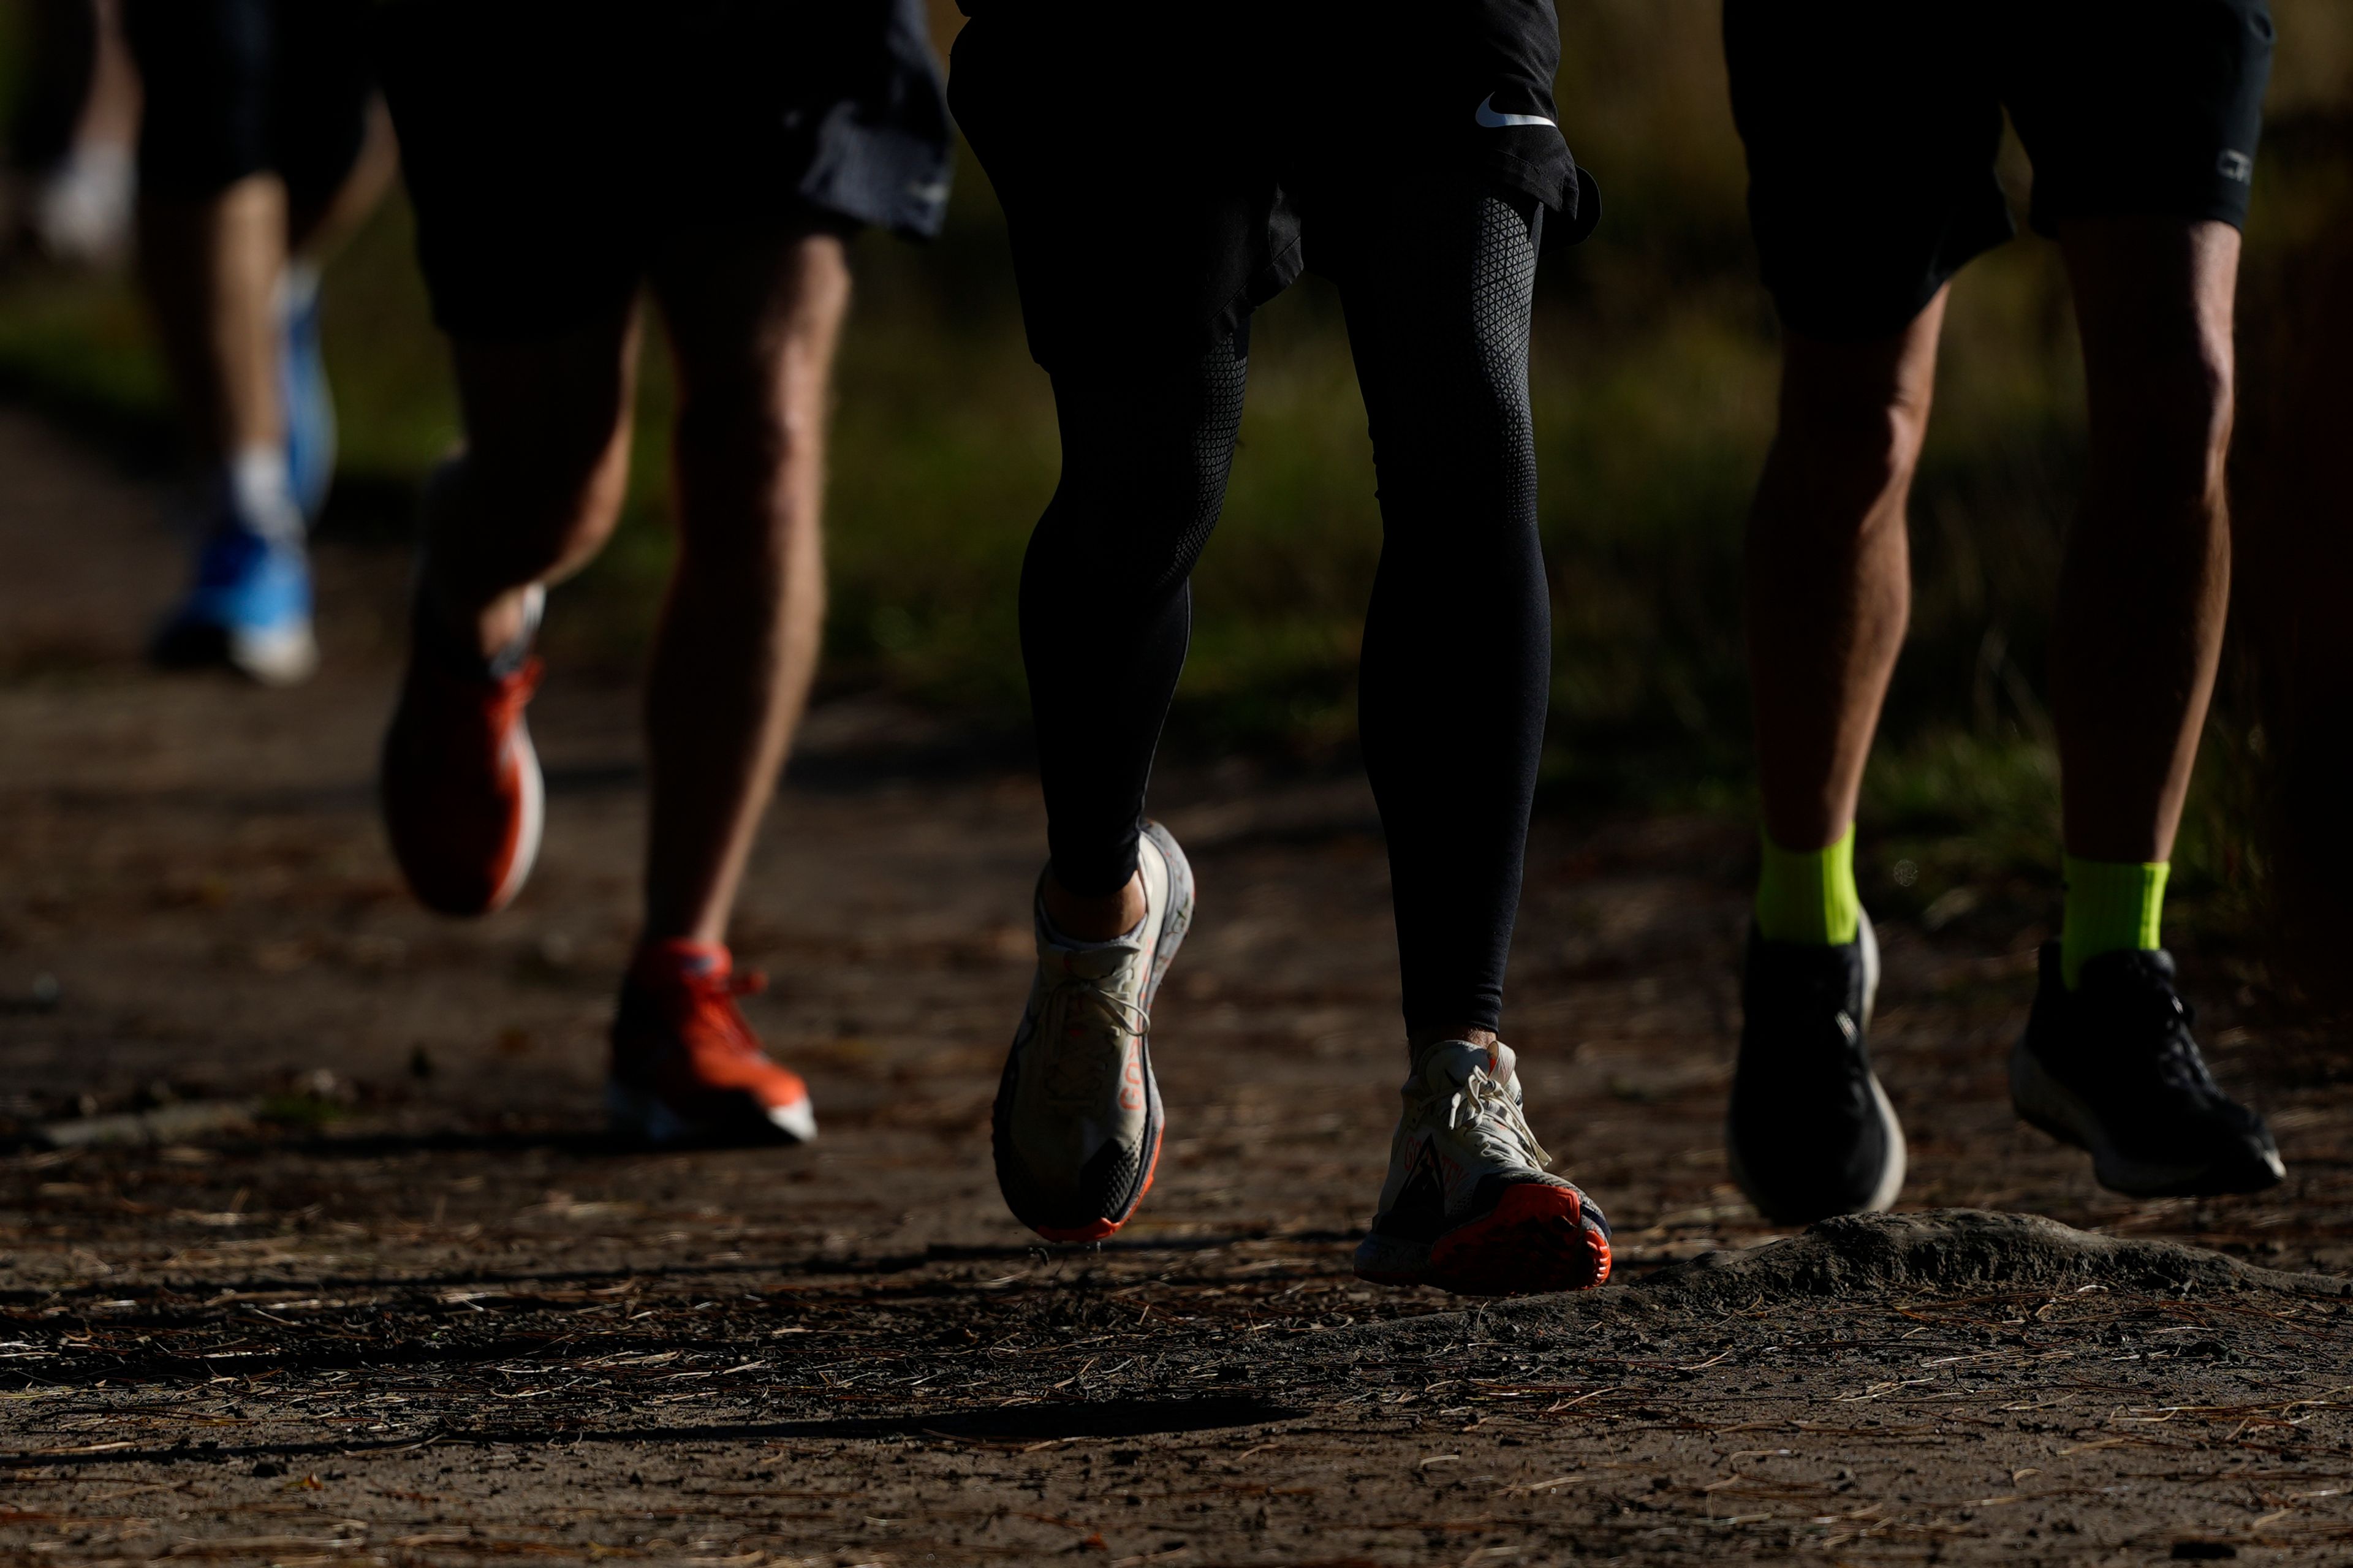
(1077, 1126)
(1468, 1206)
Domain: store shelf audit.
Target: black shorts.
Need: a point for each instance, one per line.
(1165, 170)
(1871, 128)
(236, 87)
(552, 147)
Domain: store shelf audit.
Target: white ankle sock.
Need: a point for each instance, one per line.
(254, 484)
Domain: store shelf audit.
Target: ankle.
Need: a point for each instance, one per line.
(1808, 895)
(1097, 916)
(494, 637)
(2113, 906)
(671, 959)
(1420, 1040)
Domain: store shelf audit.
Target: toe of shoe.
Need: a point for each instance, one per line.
(1392, 1260)
(1537, 1238)
(1076, 1202)
(796, 1118)
(638, 1114)
(1843, 1166)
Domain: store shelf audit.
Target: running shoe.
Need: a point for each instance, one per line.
(687, 1069)
(1077, 1125)
(463, 799)
(306, 401)
(1469, 1205)
(1809, 1133)
(2111, 1067)
(249, 608)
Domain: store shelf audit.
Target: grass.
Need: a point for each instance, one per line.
(1653, 380)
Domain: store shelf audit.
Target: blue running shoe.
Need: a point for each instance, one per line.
(251, 610)
(303, 392)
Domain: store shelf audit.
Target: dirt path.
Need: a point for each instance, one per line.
(416, 1312)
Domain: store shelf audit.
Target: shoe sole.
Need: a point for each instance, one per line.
(2043, 1102)
(1175, 921)
(1890, 1184)
(532, 807)
(1883, 1196)
(1533, 1241)
(637, 1116)
(284, 656)
(531, 827)
(1385, 1260)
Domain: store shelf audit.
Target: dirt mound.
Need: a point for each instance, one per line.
(1956, 1250)
(1945, 1252)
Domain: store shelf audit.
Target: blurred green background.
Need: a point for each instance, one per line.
(1654, 376)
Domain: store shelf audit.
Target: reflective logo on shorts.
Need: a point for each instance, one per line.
(2236, 166)
(1488, 117)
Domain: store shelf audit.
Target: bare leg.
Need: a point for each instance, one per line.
(754, 321)
(539, 484)
(2147, 579)
(210, 267)
(317, 231)
(1829, 569)
(111, 113)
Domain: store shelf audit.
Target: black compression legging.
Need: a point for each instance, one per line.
(1458, 636)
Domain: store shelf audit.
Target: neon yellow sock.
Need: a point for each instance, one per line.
(1810, 895)
(2113, 906)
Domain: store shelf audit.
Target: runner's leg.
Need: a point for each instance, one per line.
(1829, 569)
(1458, 638)
(1438, 288)
(2147, 577)
(530, 496)
(1106, 607)
(753, 321)
(1147, 441)
(535, 491)
(1809, 1130)
(210, 262)
(2107, 1061)
(212, 249)
(256, 112)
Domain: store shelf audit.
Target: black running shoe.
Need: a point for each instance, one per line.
(1811, 1134)
(2110, 1066)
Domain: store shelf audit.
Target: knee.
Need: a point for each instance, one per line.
(1842, 462)
(1463, 440)
(1864, 435)
(752, 405)
(743, 433)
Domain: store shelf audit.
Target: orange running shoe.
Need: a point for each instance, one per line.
(687, 1068)
(463, 801)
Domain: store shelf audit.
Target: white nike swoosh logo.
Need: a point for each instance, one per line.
(1494, 121)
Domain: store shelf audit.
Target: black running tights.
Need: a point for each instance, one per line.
(1457, 649)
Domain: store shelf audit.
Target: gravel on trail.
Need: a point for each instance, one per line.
(310, 1251)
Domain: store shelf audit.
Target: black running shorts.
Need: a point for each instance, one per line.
(551, 147)
(1871, 128)
(1164, 170)
(236, 87)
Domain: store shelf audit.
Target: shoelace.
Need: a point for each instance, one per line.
(1495, 1123)
(1069, 1001)
(2179, 1060)
(713, 998)
(1814, 996)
